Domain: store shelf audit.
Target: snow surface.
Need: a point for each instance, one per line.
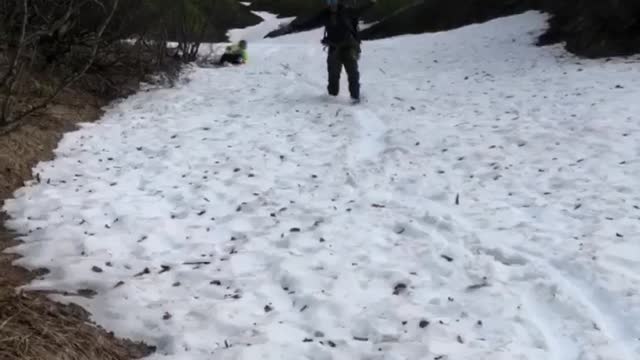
(483, 203)
(257, 32)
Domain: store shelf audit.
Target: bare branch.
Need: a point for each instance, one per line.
(94, 51)
(21, 44)
(11, 77)
(57, 25)
(6, 105)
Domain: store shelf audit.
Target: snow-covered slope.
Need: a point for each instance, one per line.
(258, 32)
(482, 204)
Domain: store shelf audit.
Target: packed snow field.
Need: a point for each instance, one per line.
(483, 203)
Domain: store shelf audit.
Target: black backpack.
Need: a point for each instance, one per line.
(350, 23)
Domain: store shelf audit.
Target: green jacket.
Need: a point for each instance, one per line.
(237, 50)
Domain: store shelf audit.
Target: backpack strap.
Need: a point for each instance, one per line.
(346, 20)
(349, 24)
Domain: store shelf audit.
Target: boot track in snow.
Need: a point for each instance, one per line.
(483, 204)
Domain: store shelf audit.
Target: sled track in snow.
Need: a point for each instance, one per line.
(595, 309)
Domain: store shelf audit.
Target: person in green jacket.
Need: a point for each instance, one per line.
(235, 54)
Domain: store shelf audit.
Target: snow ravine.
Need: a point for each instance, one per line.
(483, 203)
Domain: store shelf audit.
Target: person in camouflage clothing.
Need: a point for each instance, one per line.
(342, 40)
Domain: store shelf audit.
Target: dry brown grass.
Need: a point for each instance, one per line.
(34, 328)
(21, 149)
(31, 325)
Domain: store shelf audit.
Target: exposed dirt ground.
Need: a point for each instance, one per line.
(31, 325)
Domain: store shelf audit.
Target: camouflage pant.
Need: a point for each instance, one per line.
(347, 57)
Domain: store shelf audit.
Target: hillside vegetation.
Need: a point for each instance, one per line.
(591, 28)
